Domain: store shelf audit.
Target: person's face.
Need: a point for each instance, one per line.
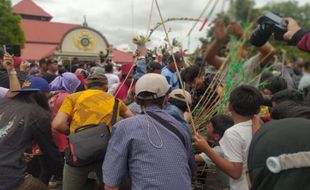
(53, 67)
(212, 136)
(197, 83)
(44, 67)
(298, 68)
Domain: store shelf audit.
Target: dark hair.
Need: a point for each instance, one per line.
(109, 68)
(157, 102)
(180, 104)
(1, 53)
(307, 65)
(95, 84)
(290, 109)
(42, 62)
(51, 61)
(38, 98)
(280, 111)
(221, 123)
(275, 84)
(288, 95)
(151, 67)
(178, 58)
(190, 73)
(32, 65)
(246, 100)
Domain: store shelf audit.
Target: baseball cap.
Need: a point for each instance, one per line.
(152, 83)
(34, 84)
(97, 78)
(181, 95)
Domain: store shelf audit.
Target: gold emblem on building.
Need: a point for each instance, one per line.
(85, 41)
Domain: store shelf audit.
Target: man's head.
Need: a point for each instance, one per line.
(193, 77)
(152, 89)
(273, 85)
(245, 101)
(127, 74)
(43, 64)
(180, 98)
(287, 95)
(154, 67)
(52, 65)
(109, 68)
(307, 67)
(179, 61)
(97, 81)
(217, 127)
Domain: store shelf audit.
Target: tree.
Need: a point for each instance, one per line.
(290, 9)
(10, 30)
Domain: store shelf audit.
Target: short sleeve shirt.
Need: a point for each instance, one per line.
(3, 92)
(90, 107)
(235, 145)
(171, 77)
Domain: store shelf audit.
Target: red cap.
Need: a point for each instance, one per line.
(17, 61)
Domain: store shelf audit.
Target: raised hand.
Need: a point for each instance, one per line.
(292, 28)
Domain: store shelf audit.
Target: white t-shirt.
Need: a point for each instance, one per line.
(221, 176)
(112, 79)
(3, 92)
(235, 144)
(304, 81)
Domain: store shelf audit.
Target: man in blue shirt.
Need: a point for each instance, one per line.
(169, 71)
(152, 155)
(177, 105)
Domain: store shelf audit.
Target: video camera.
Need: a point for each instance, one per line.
(268, 24)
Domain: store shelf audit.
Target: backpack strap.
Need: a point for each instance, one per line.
(115, 109)
(170, 127)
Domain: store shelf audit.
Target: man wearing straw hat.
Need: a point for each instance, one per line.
(152, 148)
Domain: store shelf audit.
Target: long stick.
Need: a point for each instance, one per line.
(177, 69)
(201, 14)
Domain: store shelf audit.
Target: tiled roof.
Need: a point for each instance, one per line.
(28, 7)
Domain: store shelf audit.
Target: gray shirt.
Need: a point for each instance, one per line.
(153, 156)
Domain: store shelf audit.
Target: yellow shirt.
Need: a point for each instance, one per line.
(90, 107)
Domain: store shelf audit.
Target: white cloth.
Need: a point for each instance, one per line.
(3, 92)
(235, 144)
(112, 79)
(304, 81)
(221, 176)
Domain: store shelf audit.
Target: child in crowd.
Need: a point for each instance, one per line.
(215, 131)
(244, 103)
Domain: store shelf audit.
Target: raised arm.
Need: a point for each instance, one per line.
(8, 63)
(220, 33)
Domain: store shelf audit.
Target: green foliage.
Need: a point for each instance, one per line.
(10, 30)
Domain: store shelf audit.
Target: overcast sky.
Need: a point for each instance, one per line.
(120, 20)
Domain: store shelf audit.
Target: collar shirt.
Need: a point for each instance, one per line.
(153, 156)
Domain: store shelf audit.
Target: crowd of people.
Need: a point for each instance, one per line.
(131, 126)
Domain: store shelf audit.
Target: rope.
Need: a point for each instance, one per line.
(149, 23)
(177, 69)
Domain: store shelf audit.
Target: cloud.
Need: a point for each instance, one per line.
(120, 20)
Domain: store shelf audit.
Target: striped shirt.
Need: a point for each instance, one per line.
(153, 156)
